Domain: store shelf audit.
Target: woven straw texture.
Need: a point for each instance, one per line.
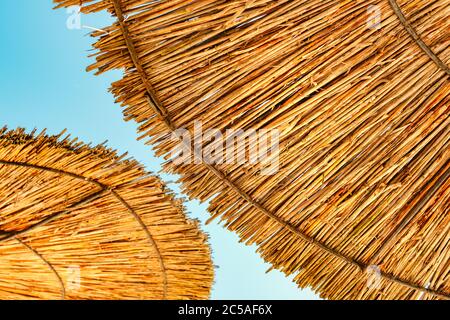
(363, 111)
(80, 222)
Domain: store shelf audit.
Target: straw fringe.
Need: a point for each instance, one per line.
(363, 114)
(76, 206)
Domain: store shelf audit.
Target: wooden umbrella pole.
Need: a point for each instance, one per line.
(159, 109)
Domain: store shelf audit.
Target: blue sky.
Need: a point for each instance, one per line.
(44, 85)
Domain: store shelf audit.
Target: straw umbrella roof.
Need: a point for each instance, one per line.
(359, 91)
(80, 222)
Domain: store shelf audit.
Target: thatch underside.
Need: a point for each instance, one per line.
(363, 112)
(82, 223)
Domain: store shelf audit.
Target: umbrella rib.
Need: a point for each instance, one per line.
(104, 188)
(161, 111)
(415, 36)
(52, 268)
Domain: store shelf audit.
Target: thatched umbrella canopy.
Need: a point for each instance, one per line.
(80, 222)
(359, 91)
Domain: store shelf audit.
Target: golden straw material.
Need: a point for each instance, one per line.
(359, 91)
(80, 222)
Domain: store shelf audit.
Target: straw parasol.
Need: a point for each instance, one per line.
(80, 222)
(359, 91)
